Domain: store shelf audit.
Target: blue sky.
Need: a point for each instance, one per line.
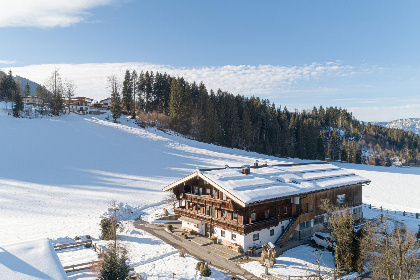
(360, 55)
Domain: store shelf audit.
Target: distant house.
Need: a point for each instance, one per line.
(106, 103)
(252, 205)
(33, 100)
(79, 104)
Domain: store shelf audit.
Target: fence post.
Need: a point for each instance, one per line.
(381, 208)
(404, 213)
(370, 206)
(417, 215)
(288, 277)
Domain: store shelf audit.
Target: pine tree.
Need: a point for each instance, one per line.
(17, 103)
(115, 97)
(27, 90)
(115, 265)
(134, 81)
(127, 93)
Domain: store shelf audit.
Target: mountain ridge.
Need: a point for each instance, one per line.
(410, 124)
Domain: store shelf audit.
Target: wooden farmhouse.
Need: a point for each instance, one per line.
(252, 205)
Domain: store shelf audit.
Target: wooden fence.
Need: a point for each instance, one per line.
(79, 266)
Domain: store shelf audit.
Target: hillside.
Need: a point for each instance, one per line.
(411, 124)
(60, 183)
(22, 82)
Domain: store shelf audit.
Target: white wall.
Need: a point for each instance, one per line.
(198, 228)
(264, 236)
(247, 241)
(228, 236)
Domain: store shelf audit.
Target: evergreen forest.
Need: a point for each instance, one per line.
(256, 124)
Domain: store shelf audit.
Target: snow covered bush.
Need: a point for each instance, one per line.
(77, 238)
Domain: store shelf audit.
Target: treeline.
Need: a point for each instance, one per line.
(256, 124)
(10, 91)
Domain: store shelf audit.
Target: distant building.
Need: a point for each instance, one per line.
(33, 100)
(249, 206)
(79, 104)
(106, 103)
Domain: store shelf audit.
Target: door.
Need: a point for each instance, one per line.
(207, 230)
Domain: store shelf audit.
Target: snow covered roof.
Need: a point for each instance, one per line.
(30, 260)
(275, 181)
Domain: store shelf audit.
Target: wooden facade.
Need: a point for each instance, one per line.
(201, 201)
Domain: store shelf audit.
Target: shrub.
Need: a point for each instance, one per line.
(107, 229)
(77, 238)
(165, 212)
(198, 265)
(170, 227)
(182, 253)
(88, 236)
(88, 244)
(206, 272)
(240, 250)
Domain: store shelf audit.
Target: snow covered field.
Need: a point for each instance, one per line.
(58, 175)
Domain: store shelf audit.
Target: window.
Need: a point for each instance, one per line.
(271, 232)
(253, 217)
(233, 237)
(357, 210)
(318, 219)
(213, 212)
(310, 208)
(195, 190)
(198, 207)
(208, 210)
(224, 196)
(222, 233)
(208, 191)
(256, 236)
(214, 193)
(224, 213)
(235, 216)
(201, 191)
(267, 214)
(304, 225)
(285, 210)
(278, 211)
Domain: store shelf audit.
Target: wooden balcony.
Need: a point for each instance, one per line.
(229, 224)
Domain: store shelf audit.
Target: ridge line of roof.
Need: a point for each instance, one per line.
(261, 166)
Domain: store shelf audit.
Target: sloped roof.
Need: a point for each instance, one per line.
(30, 260)
(275, 181)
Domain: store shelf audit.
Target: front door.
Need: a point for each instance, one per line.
(208, 229)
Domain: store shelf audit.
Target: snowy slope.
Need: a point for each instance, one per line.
(57, 176)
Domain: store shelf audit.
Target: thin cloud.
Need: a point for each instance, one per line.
(47, 13)
(7, 62)
(386, 113)
(261, 80)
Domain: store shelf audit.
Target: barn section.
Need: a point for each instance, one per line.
(252, 205)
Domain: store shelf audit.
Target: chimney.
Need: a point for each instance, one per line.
(256, 163)
(265, 163)
(246, 169)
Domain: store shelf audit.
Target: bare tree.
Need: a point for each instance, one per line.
(340, 224)
(391, 250)
(55, 86)
(114, 86)
(69, 90)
